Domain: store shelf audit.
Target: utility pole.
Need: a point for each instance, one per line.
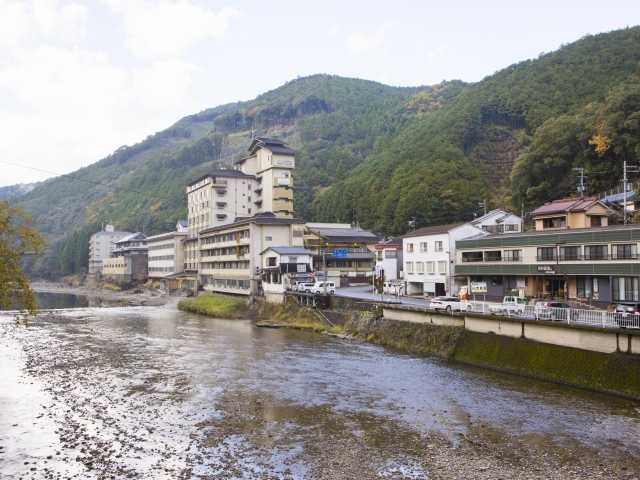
(581, 186)
(483, 205)
(626, 169)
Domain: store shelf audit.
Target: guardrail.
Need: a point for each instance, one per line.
(570, 316)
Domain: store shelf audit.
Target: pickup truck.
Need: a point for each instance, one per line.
(510, 306)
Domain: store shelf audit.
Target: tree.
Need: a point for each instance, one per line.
(17, 239)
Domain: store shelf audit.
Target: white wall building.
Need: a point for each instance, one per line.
(230, 255)
(389, 259)
(430, 252)
(282, 267)
(166, 253)
(101, 246)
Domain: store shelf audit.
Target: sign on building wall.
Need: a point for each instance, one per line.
(478, 287)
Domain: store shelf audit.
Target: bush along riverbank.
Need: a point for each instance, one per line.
(615, 373)
(216, 305)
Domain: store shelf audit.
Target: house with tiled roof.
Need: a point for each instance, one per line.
(567, 213)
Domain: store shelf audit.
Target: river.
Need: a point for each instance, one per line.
(151, 392)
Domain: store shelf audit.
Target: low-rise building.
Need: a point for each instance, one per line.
(282, 267)
(567, 213)
(128, 262)
(341, 252)
(101, 245)
(230, 255)
(389, 258)
(597, 265)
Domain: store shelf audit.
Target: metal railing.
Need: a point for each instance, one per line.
(570, 316)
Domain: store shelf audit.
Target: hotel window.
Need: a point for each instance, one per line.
(469, 257)
(438, 245)
(431, 267)
(493, 256)
(268, 238)
(570, 253)
(442, 267)
(409, 267)
(625, 289)
(420, 267)
(596, 252)
(410, 247)
(624, 251)
(423, 247)
(546, 254)
(512, 255)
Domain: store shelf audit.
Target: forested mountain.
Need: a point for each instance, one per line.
(376, 154)
(13, 191)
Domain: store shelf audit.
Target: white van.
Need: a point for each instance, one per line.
(322, 287)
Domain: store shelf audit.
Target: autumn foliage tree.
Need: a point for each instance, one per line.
(17, 239)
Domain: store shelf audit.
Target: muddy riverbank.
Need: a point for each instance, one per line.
(150, 392)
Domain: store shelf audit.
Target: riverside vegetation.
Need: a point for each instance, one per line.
(376, 154)
(216, 305)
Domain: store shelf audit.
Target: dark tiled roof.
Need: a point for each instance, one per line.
(432, 230)
(222, 172)
(565, 205)
(266, 218)
(273, 144)
(289, 250)
(346, 234)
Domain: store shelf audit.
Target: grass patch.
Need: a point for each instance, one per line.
(301, 318)
(215, 305)
(110, 286)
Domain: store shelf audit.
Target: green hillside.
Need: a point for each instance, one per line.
(376, 154)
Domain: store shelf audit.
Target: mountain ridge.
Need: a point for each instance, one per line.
(366, 152)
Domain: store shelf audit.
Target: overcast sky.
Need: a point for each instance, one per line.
(78, 78)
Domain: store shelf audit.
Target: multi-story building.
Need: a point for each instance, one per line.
(128, 262)
(597, 265)
(218, 198)
(230, 255)
(389, 258)
(166, 252)
(429, 253)
(341, 252)
(101, 245)
(271, 163)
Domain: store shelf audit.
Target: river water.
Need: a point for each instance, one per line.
(153, 393)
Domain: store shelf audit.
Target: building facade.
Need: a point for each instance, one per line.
(341, 253)
(166, 253)
(594, 265)
(282, 267)
(128, 262)
(568, 213)
(428, 255)
(230, 255)
(271, 163)
(101, 246)
(389, 258)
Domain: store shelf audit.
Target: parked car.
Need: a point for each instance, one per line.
(628, 314)
(324, 287)
(551, 310)
(510, 305)
(393, 287)
(304, 287)
(447, 303)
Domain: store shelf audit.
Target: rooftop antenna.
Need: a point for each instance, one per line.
(581, 186)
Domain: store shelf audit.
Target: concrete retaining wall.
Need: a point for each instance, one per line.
(595, 339)
(422, 317)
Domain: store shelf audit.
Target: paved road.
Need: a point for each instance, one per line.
(365, 293)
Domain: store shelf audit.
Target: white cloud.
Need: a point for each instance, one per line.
(164, 28)
(53, 20)
(358, 43)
